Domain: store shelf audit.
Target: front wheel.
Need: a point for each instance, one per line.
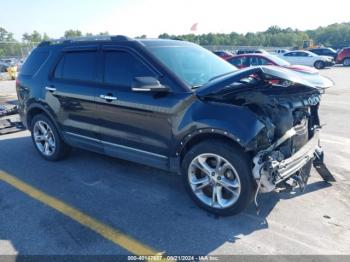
(319, 65)
(218, 177)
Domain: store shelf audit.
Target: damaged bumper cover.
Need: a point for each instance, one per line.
(270, 171)
(289, 166)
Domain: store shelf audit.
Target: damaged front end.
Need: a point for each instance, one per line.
(284, 151)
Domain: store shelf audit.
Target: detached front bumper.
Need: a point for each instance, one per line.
(269, 170)
(287, 167)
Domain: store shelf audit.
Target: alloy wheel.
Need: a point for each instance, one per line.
(319, 64)
(214, 181)
(44, 138)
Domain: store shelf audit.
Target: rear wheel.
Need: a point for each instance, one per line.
(47, 140)
(346, 62)
(218, 177)
(319, 64)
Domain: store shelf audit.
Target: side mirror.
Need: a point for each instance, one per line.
(148, 84)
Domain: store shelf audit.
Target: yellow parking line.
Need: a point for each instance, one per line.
(118, 238)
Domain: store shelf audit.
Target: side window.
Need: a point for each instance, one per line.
(264, 61)
(303, 54)
(120, 68)
(254, 61)
(289, 54)
(236, 61)
(33, 63)
(77, 66)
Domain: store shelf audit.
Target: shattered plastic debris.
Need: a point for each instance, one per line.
(6, 110)
(7, 125)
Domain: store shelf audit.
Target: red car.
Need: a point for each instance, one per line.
(247, 60)
(224, 54)
(344, 56)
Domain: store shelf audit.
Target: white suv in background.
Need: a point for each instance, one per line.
(307, 58)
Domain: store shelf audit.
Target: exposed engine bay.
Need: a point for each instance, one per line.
(285, 149)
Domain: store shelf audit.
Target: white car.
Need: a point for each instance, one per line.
(307, 58)
(280, 51)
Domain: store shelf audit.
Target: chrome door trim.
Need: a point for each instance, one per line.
(81, 136)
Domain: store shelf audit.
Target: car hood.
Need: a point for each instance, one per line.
(267, 71)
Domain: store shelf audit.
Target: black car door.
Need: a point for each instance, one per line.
(71, 94)
(133, 125)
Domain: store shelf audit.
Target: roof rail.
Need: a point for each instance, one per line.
(115, 38)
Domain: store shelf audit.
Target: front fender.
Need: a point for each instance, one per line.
(235, 122)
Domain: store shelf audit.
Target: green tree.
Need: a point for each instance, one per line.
(5, 36)
(8, 45)
(141, 37)
(72, 33)
(34, 37)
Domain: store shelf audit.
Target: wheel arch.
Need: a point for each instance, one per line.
(201, 135)
(37, 108)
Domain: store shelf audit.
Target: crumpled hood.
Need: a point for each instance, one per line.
(274, 72)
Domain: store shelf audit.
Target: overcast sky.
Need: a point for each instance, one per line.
(152, 17)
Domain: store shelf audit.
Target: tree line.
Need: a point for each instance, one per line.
(335, 35)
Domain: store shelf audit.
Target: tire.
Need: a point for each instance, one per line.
(319, 64)
(240, 174)
(57, 148)
(346, 61)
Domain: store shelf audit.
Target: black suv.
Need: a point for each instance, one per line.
(326, 51)
(176, 106)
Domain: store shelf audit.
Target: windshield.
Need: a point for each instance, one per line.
(193, 64)
(278, 61)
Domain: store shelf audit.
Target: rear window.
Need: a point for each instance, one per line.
(77, 66)
(33, 63)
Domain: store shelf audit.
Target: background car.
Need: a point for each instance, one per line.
(281, 51)
(10, 68)
(3, 67)
(326, 51)
(309, 73)
(250, 51)
(344, 56)
(246, 60)
(301, 57)
(224, 54)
